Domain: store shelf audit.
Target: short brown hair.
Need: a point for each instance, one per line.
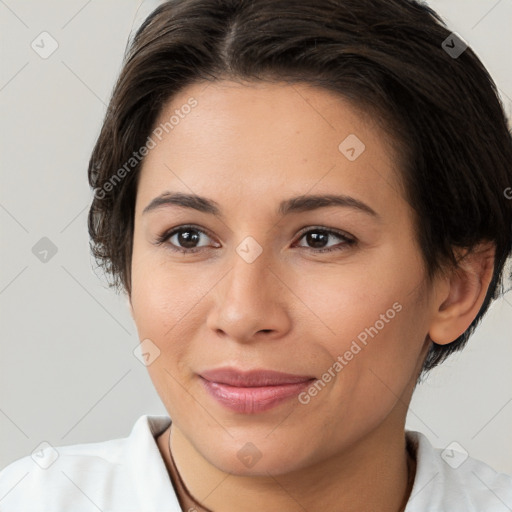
(390, 57)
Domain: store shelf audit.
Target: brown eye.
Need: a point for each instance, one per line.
(317, 240)
(184, 239)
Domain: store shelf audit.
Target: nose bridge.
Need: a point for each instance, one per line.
(248, 300)
(250, 277)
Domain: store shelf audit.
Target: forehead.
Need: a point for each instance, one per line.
(257, 140)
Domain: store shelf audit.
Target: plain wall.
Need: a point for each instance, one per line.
(67, 371)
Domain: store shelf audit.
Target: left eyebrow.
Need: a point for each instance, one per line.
(292, 205)
(312, 202)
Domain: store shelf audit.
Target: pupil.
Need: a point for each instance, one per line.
(185, 238)
(317, 239)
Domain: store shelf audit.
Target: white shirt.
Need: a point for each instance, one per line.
(129, 474)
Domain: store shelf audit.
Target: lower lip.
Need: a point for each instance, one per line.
(252, 400)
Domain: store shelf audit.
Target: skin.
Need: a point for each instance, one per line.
(249, 146)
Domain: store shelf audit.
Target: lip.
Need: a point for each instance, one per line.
(254, 391)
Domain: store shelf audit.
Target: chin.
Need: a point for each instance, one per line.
(253, 458)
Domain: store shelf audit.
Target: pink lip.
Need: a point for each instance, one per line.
(252, 391)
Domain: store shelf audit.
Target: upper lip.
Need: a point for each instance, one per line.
(252, 378)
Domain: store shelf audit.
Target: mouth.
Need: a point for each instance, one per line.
(255, 391)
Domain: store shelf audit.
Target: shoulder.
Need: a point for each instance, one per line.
(450, 480)
(88, 476)
(53, 476)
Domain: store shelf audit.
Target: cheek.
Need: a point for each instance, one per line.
(162, 307)
(364, 299)
(373, 359)
(161, 294)
(376, 325)
(163, 310)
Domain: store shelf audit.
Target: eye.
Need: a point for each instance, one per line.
(183, 239)
(319, 237)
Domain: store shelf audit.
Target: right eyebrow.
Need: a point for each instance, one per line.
(192, 201)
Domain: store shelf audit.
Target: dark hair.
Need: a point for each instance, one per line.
(392, 58)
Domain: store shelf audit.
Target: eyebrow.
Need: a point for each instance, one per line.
(293, 205)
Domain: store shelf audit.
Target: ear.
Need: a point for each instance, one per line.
(462, 293)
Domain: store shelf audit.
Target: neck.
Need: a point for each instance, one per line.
(374, 473)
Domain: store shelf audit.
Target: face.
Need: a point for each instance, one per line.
(330, 291)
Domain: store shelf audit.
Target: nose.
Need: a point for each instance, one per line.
(251, 302)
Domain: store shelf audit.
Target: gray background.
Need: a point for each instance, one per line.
(67, 371)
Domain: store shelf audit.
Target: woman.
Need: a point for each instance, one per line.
(306, 205)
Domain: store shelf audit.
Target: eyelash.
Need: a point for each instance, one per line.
(163, 239)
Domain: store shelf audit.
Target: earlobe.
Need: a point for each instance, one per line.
(462, 294)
